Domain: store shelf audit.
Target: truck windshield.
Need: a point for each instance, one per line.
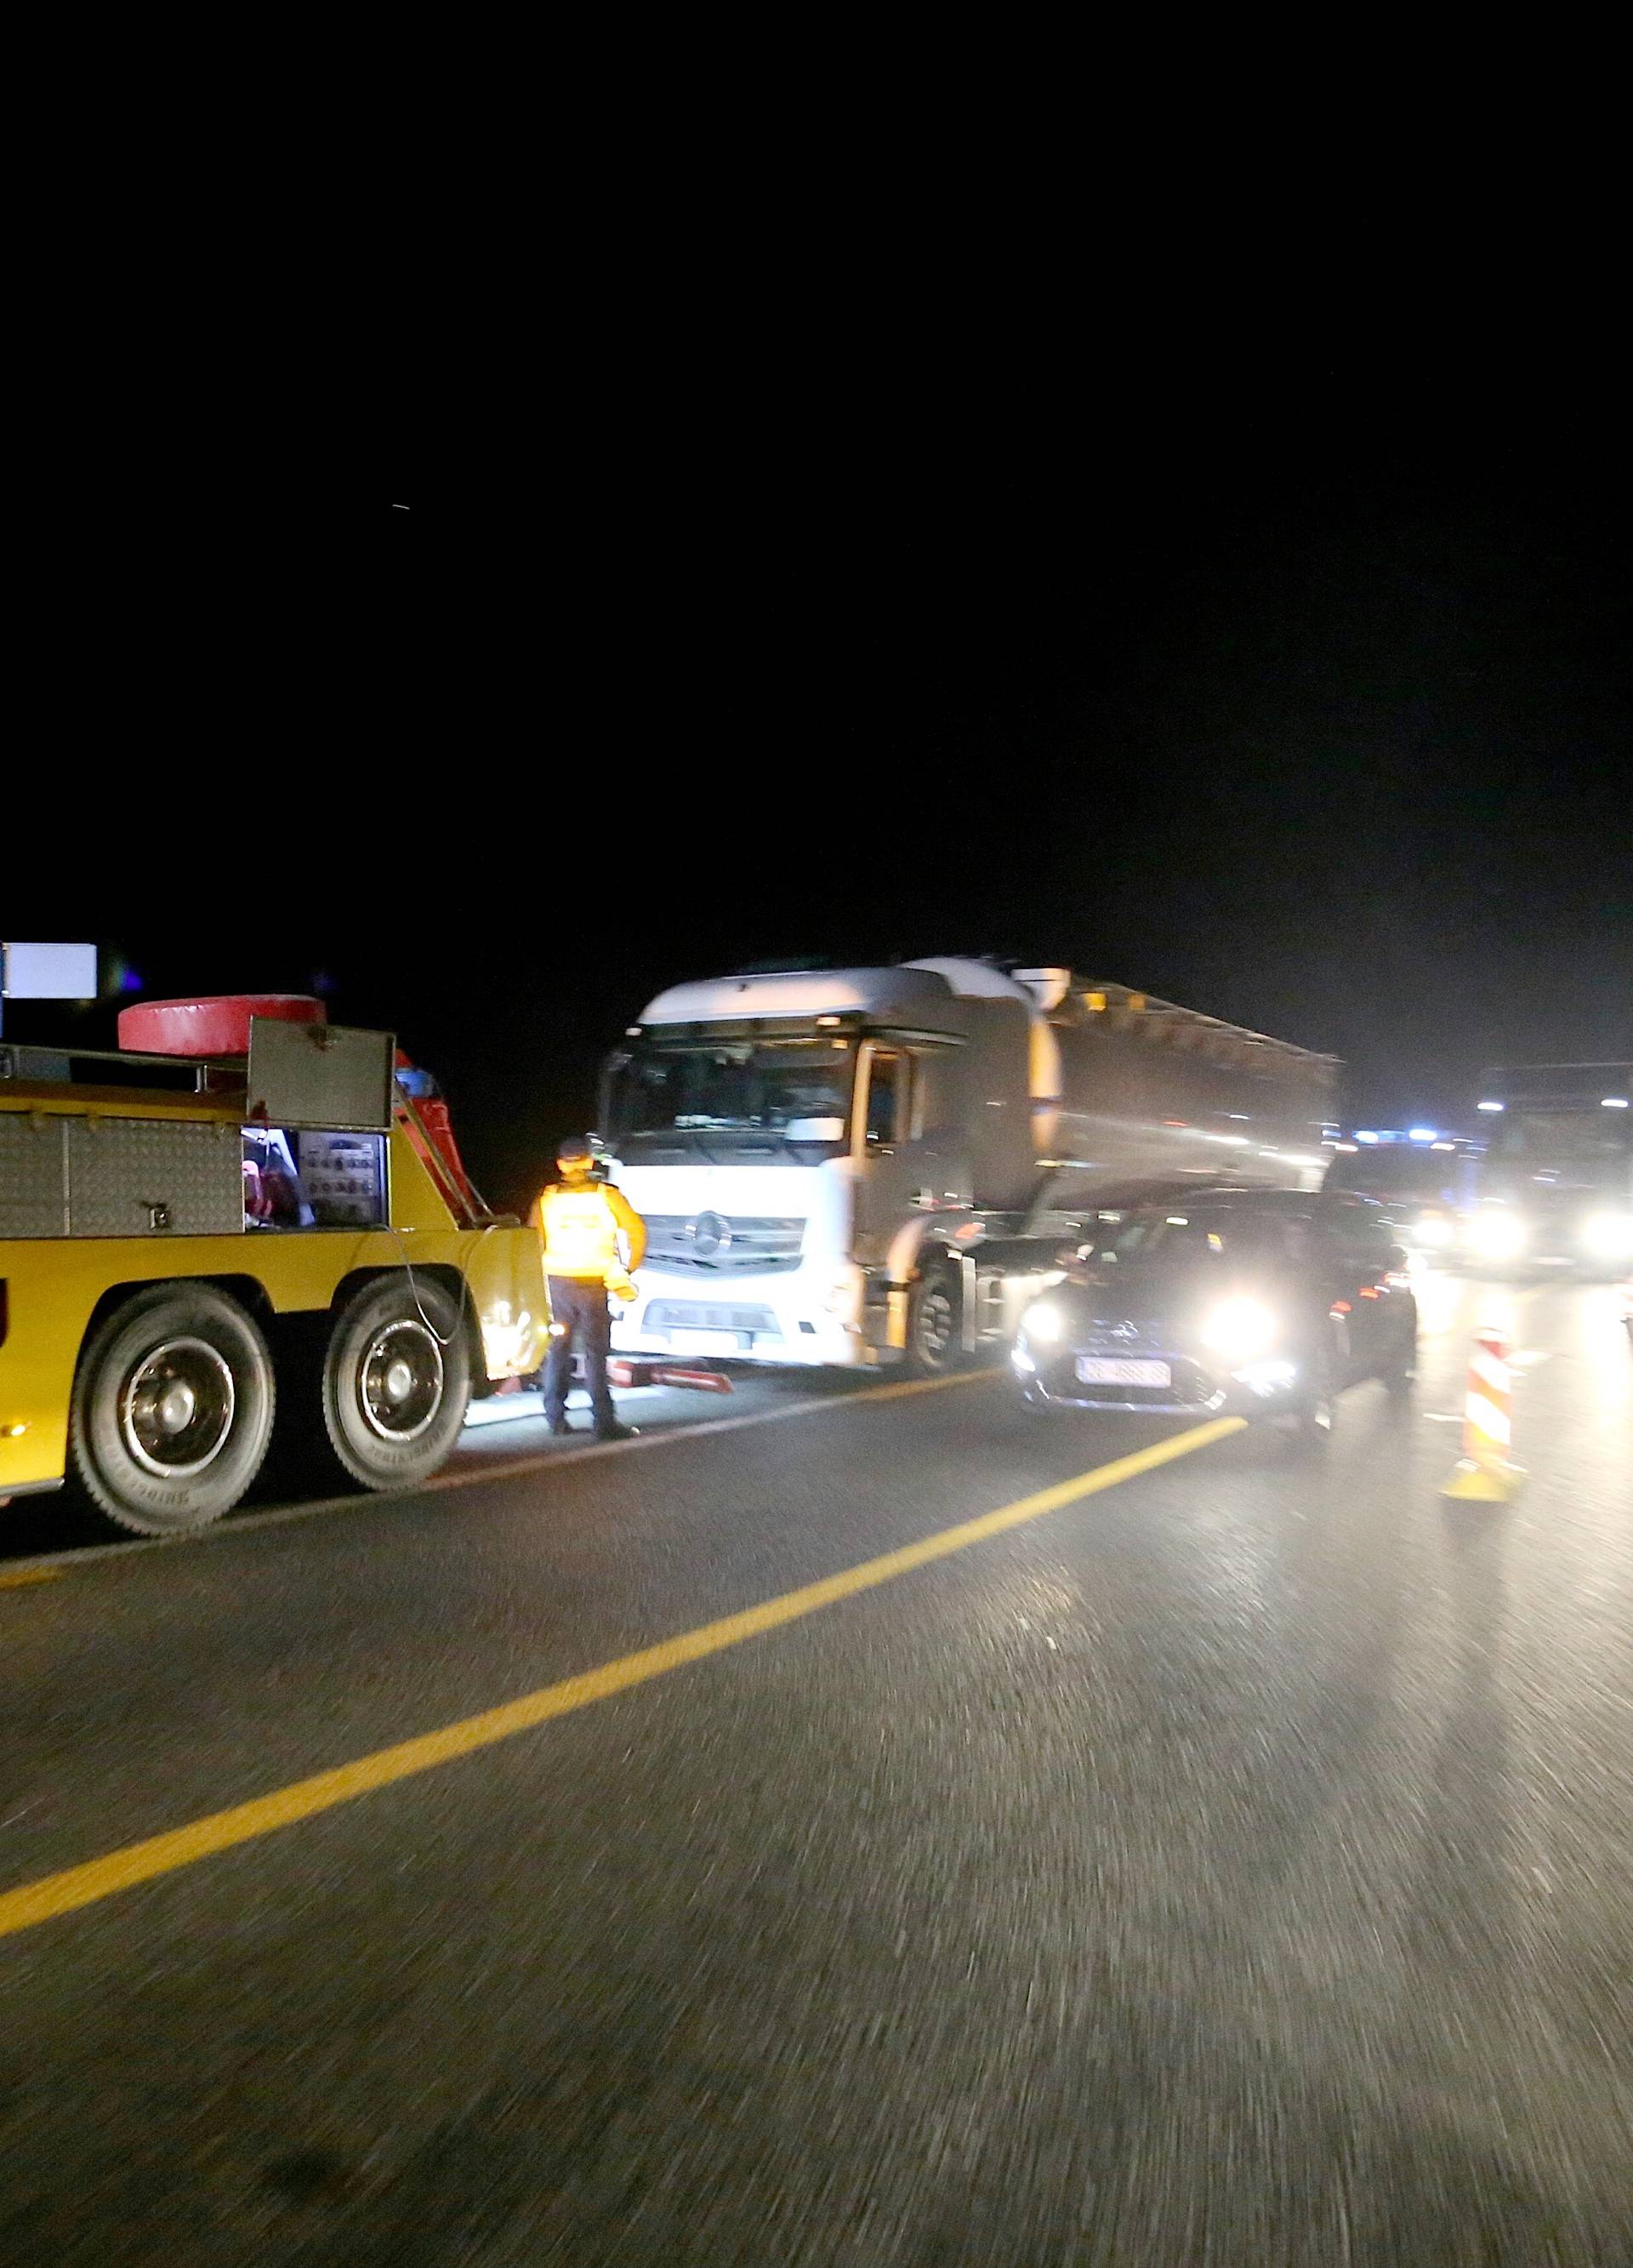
(788, 1095)
(1183, 1242)
(1398, 1171)
(1582, 1143)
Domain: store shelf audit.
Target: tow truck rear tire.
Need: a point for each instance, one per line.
(172, 1409)
(396, 1381)
(935, 1334)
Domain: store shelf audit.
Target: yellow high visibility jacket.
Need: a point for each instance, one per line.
(579, 1222)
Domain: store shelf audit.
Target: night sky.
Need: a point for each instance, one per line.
(1297, 692)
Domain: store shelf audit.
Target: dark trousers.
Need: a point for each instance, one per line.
(579, 1313)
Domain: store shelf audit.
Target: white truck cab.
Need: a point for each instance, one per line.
(845, 1166)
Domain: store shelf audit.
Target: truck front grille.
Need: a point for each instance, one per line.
(711, 1244)
(1110, 1335)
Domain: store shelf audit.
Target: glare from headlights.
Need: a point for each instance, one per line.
(1239, 1330)
(1609, 1235)
(1267, 1377)
(1042, 1323)
(1498, 1235)
(1432, 1230)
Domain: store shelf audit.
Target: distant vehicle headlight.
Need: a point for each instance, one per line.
(1434, 1229)
(1497, 1236)
(1239, 1330)
(1042, 1323)
(1609, 1235)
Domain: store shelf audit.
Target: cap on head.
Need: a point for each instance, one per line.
(571, 1145)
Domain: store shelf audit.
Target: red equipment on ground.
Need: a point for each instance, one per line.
(638, 1370)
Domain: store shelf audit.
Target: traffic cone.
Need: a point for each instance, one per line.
(1485, 1473)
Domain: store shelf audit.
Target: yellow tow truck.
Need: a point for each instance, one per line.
(265, 1230)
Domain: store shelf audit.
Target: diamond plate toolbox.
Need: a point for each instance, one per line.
(34, 1175)
(154, 1177)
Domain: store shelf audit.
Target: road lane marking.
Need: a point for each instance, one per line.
(13, 1578)
(53, 1895)
(87, 1555)
(540, 1459)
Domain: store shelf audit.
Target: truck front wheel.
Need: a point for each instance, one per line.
(396, 1381)
(935, 1324)
(172, 1409)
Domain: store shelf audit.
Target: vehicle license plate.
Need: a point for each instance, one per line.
(704, 1342)
(1124, 1370)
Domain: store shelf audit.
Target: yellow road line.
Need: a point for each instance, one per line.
(44, 1900)
(812, 1405)
(14, 1579)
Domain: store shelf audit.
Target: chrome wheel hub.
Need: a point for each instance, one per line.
(401, 1380)
(176, 1407)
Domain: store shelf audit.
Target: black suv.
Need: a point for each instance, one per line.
(1255, 1303)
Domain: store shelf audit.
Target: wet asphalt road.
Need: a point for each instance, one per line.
(1234, 1866)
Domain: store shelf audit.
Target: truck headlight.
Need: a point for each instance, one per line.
(1608, 1235)
(1434, 1230)
(1497, 1236)
(1042, 1324)
(1239, 1330)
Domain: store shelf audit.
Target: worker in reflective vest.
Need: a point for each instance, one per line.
(580, 1220)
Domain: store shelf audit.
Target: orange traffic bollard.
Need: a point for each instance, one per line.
(1486, 1473)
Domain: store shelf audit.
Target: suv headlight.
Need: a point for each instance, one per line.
(1042, 1323)
(1609, 1235)
(1497, 1236)
(1239, 1330)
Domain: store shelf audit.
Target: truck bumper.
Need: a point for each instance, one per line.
(771, 1319)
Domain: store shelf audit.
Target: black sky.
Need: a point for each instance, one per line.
(1287, 684)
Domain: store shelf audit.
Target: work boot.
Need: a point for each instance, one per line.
(612, 1431)
(561, 1425)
